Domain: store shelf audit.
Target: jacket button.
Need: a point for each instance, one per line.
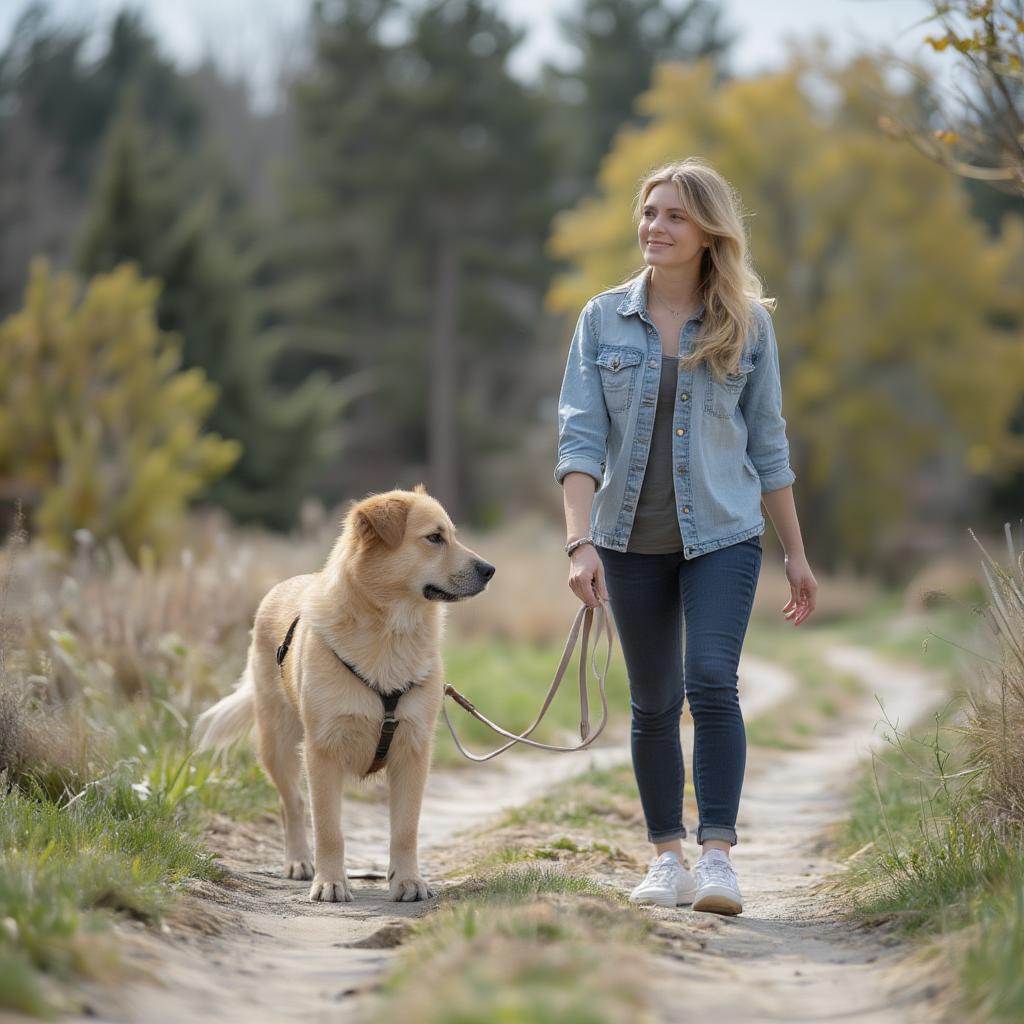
(680, 431)
(681, 470)
(686, 508)
(653, 363)
(615, 363)
(684, 397)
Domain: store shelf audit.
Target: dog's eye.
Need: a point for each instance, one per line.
(436, 538)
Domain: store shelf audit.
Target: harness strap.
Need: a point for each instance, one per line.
(390, 701)
(387, 730)
(283, 649)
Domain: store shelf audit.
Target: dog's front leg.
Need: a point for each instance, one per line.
(326, 776)
(407, 779)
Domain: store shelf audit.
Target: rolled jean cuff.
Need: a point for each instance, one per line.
(706, 832)
(666, 837)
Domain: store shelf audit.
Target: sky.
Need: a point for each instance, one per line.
(253, 37)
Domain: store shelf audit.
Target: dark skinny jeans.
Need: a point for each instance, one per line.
(652, 598)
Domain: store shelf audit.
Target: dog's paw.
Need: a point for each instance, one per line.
(407, 890)
(330, 891)
(300, 869)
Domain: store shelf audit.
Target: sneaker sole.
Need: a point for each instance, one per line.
(717, 903)
(665, 901)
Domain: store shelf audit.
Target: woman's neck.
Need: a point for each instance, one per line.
(677, 290)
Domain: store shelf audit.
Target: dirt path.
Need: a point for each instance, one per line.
(791, 956)
(257, 950)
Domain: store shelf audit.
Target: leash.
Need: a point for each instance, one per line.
(584, 619)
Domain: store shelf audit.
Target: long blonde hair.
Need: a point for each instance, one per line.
(728, 284)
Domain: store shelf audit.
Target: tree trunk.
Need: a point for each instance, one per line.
(443, 481)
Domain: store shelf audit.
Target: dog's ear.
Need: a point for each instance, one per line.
(382, 519)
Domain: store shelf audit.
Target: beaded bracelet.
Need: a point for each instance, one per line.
(574, 544)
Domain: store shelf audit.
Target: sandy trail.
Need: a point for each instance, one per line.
(257, 950)
(791, 956)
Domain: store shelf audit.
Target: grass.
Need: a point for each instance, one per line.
(508, 682)
(929, 863)
(526, 944)
(67, 866)
(937, 823)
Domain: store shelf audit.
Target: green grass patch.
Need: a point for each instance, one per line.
(508, 683)
(592, 800)
(928, 861)
(115, 847)
(519, 946)
(933, 638)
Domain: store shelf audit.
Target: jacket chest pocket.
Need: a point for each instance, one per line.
(721, 397)
(618, 367)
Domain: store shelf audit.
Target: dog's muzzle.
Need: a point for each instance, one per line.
(464, 584)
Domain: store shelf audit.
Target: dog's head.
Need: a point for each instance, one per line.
(403, 544)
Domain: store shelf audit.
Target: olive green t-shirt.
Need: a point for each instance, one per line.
(656, 525)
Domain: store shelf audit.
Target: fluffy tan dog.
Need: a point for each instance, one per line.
(369, 624)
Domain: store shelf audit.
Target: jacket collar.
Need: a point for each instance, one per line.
(635, 299)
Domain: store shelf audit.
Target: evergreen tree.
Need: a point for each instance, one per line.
(619, 43)
(425, 194)
(153, 210)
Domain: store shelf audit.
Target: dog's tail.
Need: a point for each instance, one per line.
(229, 719)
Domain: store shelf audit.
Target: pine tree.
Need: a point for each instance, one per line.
(171, 220)
(619, 43)
(420, 217)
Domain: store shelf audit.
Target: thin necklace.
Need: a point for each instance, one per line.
(675, 312)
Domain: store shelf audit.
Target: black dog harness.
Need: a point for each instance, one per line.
(390, 701)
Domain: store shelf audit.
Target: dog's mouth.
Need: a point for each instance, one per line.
(432, 593)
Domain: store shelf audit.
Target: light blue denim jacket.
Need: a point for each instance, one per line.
(728, 439)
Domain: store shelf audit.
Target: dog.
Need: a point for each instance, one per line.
(329, 650)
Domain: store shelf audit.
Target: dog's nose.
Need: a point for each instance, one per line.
(485, 569)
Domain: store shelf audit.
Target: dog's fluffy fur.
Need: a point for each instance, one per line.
(379, 604)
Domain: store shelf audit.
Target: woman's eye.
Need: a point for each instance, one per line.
(436, 538)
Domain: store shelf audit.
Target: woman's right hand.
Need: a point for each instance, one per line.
(586, 576)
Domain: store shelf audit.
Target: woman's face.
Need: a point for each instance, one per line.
(668, 238)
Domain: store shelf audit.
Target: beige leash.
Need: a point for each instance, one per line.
(584, 618)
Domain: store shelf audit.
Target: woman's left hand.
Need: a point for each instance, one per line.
(803, 587)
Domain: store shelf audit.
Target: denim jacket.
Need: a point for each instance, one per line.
(728, 439)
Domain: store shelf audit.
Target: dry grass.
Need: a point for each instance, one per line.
(103, 623)
(529, 600)
(995, 719)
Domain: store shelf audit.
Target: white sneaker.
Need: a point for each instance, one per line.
(718, 892)
(668, 883)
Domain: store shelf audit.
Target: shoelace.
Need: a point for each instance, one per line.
(720, 871)
(663, 871)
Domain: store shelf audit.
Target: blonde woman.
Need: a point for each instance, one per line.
(671, 437)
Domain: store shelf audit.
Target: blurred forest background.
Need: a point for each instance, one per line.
(373, 282)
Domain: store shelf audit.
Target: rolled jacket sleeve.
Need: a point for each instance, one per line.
(582, 414)
(761, 405)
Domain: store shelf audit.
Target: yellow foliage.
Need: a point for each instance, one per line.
(98, 428)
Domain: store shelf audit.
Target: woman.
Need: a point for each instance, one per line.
(671, 410)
